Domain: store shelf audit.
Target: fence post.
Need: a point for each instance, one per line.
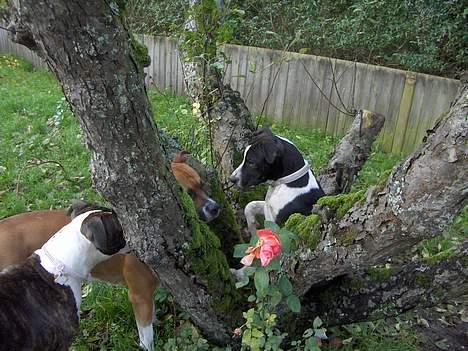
(404, 112)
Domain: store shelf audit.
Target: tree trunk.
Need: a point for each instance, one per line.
(86, 46)
(232, 130)
(226, 116)
(190, 68)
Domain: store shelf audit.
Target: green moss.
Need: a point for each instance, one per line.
(438, 257)
(383, 310)
(225, 225)
(380, 274)
(423, 279)
(443, 246)
(307, 228)
(340, 204)
(208, 261)
(141, 52)
(354, 284)
(226, 216)
(347, 238)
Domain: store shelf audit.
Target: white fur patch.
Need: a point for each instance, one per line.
(70, 256)
(279, 196)
(146, 334)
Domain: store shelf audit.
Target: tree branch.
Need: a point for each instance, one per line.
(351, 153)
(420, 199)
(386, 292)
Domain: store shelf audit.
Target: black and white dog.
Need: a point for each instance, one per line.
(293, 187)
(40, 299)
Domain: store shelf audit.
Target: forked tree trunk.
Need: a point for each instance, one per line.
(89, 50)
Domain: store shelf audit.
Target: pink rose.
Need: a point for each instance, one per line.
(267, 248)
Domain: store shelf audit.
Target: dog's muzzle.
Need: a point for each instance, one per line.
(209, 211)
(234, 178)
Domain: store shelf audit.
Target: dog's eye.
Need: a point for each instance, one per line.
(250, 163)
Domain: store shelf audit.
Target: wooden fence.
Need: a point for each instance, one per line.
(310, 91)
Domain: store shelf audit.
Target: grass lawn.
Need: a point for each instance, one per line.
(43, 164)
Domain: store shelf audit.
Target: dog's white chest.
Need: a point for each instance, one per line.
(279, 196)
(275, 199)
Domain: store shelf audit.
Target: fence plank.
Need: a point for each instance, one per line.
(403, 114)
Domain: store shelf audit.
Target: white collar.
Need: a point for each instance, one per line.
(62, 271)
(293, 176)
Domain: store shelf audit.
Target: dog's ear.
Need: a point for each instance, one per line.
(103, 229)
(262, 133)
(273, 148)
(181, 157)
(77, 208)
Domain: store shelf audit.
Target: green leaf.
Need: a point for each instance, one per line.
(321, 333)
(251, 298)
(294, 303)
(238, 12)
(239, 250)
(308, 333)
(249, 271)
(285, 242)
(243, 282)
(253, 240)
(285, 286)
(291, 235)
(274, 265)
(276, 298)
(317, 323)
(272, 226)
(257, 333)
(261, 280)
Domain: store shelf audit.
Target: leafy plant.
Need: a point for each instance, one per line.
(422, 35)
(272, 286)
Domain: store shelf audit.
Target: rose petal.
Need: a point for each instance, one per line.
(247, 260)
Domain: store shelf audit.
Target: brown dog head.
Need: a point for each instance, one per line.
(207, 208)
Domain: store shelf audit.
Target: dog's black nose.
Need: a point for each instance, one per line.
(213, 209)
(233, 178)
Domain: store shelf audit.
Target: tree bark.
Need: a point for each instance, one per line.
(386, 292)
(86, 46)
(351, 153)
(232, 130)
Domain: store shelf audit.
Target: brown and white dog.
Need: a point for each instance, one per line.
(40, 298)
(21, 234)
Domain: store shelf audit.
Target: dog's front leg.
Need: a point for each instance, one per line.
(251, 210)
(141, 284)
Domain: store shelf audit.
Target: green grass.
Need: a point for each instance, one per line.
(42, 161)
(376, 336)
(43, 164)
